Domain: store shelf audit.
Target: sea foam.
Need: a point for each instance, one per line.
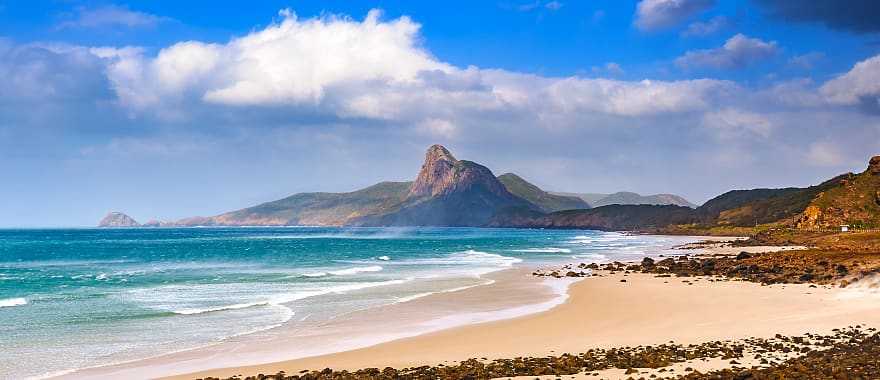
(10, 302)
(544, 250)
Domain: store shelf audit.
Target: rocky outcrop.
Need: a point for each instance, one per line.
(442, 175)
(450, 192)
(854, 200)
(874, 165)
(158, 223)
(118, 219)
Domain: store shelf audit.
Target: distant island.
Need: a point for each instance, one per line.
(452, 192)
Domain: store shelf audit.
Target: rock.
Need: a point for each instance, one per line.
(647, 263)
(874, 165)
(743, 255)
(118, 219)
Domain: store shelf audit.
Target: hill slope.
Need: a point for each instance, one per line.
(547, 202)
(630, 198)
(321, 209)
(854, 200)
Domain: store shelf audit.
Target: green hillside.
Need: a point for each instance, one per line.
(545, 201)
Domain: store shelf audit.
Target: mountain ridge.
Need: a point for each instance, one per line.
(546, 201)
(629, 198)
(452, 192)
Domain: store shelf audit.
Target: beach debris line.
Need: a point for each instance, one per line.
(851, 351)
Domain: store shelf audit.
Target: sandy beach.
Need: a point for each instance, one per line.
(611, 310)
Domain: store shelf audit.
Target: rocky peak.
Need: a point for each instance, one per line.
(443, 174)
(874, 165)
(436, 174)
(118, 219)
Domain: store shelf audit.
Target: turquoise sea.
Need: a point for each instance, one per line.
(77, 298)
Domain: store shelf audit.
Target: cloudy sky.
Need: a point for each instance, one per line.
(166, 111)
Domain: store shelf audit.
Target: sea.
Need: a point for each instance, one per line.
(80, 298)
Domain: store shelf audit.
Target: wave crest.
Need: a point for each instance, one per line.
(12, 302)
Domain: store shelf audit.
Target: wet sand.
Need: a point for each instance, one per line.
(605, 312)
(508, 293)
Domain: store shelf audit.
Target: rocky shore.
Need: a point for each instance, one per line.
(838, 268)
(847, 354)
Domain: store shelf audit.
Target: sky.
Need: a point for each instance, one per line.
(165, 110)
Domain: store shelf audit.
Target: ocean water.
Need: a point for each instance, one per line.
(78, 298)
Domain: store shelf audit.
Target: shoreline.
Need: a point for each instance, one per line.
(450, 339)
(604, 312)
(593, 318)
(423, 314)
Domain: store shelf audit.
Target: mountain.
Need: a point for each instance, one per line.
(611, 217)
(452, 192)
(761, 206)
(118, 219)
(854, 199)
(319, 209)
(630, 198)
(449, 192)
(546, 202)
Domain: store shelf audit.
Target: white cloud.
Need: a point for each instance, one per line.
(110, 16)
(806, 61)
(624, 98)
(824, 154)
(610, 68)
(734, 123)
(371, 69)
(706, 28)
(660, 14)
(439, 128)
(553, 5)
(293, 62)
(860, 85)
(739, 51)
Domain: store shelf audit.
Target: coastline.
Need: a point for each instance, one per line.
(597, 312)
(604, 312)
(507, 293)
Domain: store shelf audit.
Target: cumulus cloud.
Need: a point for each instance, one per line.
(739, 51)
(659, 14)
(344, 68)
(859, 86)
(292, 62)
(860, 16)
(110, 16)
(44, 73)
(707, 28)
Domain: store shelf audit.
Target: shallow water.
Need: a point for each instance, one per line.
(76, 298)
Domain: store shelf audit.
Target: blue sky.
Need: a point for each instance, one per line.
(169, 109)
